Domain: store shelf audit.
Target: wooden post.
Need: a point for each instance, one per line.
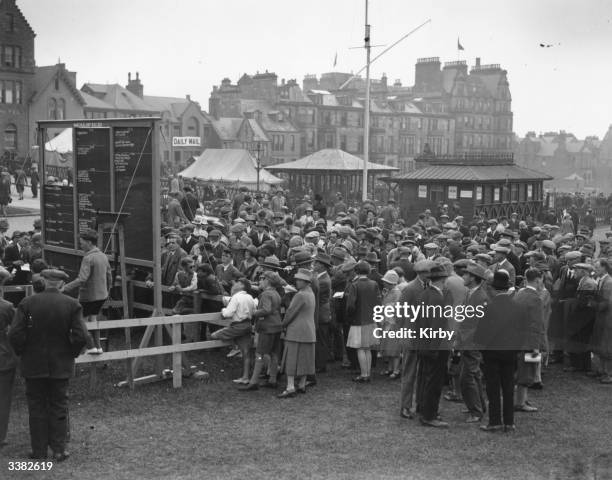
(177, 373)
(124, 298)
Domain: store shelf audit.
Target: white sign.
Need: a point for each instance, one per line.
(465, 194)
(529, 191)
(422, 191)
(452, 193)
(496, 194)
(478, 193)
(186, 141)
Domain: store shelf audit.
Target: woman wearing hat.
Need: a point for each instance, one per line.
(268, 328)
(391, 348)
(362, 296)
(300, 337)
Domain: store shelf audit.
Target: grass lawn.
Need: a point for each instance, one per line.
(337, 430)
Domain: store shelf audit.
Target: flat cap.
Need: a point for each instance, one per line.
(424, 266)
(54, 274)
(431, 245)
(573, 255)
(583, 266)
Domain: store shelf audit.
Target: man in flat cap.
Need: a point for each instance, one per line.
(502, 263)
(93, 283)
(48, 332)
(411, 294)
(470, 378)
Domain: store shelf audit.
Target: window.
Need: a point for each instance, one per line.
(514, 192)
(8, 56)
(436, 193)
(329, 140)
(176, 130)
(10, 137)
(166, 156)
(18, 92)
(17, 57)
(10, 22)
(343, 119)
(193, 127)
(293, 143)
(8, 92)
(51, 108)
(360, 144)
(61, 109)
(343, 142)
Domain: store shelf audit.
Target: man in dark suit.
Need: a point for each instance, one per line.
(260, 236)
(470, 377)
(498, 337)
(189, 240)
(226, 272)
(411, 294)
(16, 255)
(532, 326)
(433, 353)
(323, 351)
(48, 333)
(171, 258)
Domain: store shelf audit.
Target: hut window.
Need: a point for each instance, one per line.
(529, 192)
(422, 191)
(514, 192)
(436, 193)
(496, 194)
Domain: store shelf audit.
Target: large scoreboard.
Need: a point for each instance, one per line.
(113, 166)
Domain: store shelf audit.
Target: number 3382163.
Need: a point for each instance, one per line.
(32, 466)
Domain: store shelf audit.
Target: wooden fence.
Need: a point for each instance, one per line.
(156, 324)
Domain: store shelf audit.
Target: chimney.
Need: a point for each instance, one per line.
(134, 85)
(477, 62)
(427, 74)
(188, 97)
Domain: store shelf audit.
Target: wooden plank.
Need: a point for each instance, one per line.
(177, 374)
(144, 342)
(215, 318)
(151, 351)
(141, 380)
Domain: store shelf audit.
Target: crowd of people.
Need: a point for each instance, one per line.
(545, 285)
(302, 287)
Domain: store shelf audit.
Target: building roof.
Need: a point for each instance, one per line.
(271, 124)
(95, 102)
(119, 97)
(328, 160)
(258, 134)
(176, 106)
(43, 76)
(470, 173)
(226, 127)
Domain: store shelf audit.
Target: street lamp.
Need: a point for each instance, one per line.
(258, 167)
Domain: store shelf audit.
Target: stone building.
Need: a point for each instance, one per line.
(180, 117)
(16, 75)
(301, 121)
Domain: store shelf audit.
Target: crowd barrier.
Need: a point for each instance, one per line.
(155, 324)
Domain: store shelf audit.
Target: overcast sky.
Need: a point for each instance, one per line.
(186, 46)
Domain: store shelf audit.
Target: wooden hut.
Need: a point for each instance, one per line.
(488, 183)
(329, 171)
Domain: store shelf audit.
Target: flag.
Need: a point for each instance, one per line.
(459, 46)
(336, 59)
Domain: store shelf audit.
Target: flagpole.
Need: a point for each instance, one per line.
(366, 117)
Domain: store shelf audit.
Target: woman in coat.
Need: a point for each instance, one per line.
(299, 324)
(362, 296)
(391, 348)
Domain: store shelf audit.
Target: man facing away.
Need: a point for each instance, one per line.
(48, 332)
(93, 282)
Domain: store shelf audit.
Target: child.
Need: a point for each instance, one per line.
(185, 282)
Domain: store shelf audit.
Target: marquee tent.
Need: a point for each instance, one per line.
(229, 166)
